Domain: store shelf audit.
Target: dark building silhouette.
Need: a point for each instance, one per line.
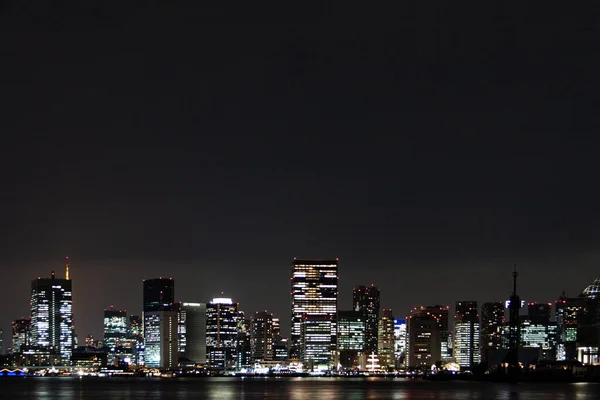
(192, 332)
(424, 345)
(262, 336)
(365, 299)
(159, 294)
(539, 313)
(492, 323)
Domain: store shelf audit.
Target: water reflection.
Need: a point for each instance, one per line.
(284, 388)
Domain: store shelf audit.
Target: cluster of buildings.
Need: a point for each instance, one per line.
(218, 335)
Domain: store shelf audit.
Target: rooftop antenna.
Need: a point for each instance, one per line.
(67, 267)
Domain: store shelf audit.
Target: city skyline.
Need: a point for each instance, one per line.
(345, 302)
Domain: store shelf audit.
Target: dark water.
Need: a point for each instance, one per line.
(285, 388)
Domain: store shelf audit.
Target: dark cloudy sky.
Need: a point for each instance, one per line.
(429, 147)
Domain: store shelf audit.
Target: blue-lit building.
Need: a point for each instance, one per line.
(400, 341)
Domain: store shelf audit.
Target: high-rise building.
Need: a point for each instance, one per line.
(222, 333)
(441, 315)
(366, 300)
(539, 313)
(243, 351)
(159, 294)
(21, 334)
(385, 341)
(350, 339)
(314, 285)
(136, 329)
(571, 315)
(115, 327)
(192, 332)
(466, 334)
(424, 346)
(492, 322)
(52, 315)
(160, 323)
(160, 338)
(541, 336)
(316, 341)
(262, 334)
(400, 341)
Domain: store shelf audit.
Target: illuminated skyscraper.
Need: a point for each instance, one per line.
(466, 334)
(571, 314)
(262, 336)
(385, 342)
(21, 334)
(160, 323)
(400, 341)
(316, 341)
(192, 332)
(314, 285)
(115, 327)
(492, 322)
(351, 338)
(243, 351)
(222, 333)
(52, 315)
(366, 300)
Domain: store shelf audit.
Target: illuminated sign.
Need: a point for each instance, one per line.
(507, 303)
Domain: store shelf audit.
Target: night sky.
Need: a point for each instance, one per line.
(429, 147)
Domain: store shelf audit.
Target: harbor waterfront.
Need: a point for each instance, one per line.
(292, 388)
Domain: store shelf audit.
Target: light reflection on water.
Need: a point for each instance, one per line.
(286, 388)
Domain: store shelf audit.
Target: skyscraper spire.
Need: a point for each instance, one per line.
(67, 267)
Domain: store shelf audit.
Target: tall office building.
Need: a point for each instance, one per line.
(192, 332)
(385, 341)
(366, 300)
(21, 334)
(262, 334)
(466, 334)
(314, 285)
(571, 315)
(160, 323)
(136, 328)
(351, 339)
(441, 315)
(400, 341)
(492, 322)
(243, 351)
(115, 327)
(317, 342)
(423, 343)
(222, 333)
(539, 313)
(52, 315)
